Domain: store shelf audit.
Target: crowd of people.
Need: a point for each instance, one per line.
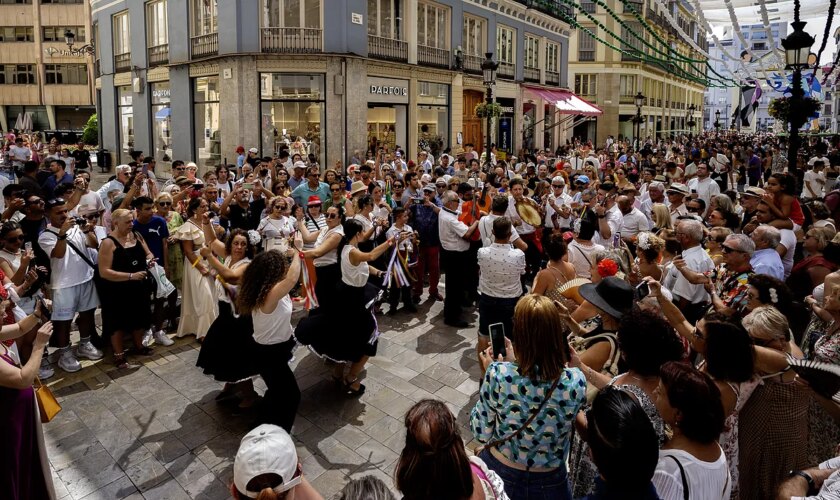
(638, 311)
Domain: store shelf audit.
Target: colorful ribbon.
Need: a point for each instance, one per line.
(396, 271)
(311, 301)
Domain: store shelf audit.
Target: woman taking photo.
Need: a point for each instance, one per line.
(526, 438)
(198, 301)
(691, 463)
(229, 343)
(15, 266)
(125, 290)
(325, 256)
(23, 456)
(353, 326)
(434, 464)
(264, 294)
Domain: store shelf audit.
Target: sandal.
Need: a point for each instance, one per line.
(350, 392)
(143, 351)
(122, 363)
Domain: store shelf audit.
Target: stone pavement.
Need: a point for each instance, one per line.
(157, 432)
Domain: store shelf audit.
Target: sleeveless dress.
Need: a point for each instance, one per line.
(198, 301)
(175, 256)
(554, 292)
(126, 305)
(227, 352)
(729, 437)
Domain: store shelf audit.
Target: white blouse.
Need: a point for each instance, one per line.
(706, 480)
(330, 257)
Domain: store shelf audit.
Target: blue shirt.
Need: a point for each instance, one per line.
(302, 193)
(50, 184)
(425, 222)
(155, 234)
(767, 261)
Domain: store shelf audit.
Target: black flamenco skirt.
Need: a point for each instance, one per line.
(228, 350)
(349, 331)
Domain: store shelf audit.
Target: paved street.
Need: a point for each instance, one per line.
(157, 432)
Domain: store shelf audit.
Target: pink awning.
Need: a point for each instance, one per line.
(566, 102)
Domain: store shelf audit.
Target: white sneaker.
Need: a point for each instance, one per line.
(68, 362)
(46, 370)
(86, 350)
(162, 339)
(147, 338)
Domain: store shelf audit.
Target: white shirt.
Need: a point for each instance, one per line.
(353, 275)
(405, 245)
(501, 267)
(452, 231)
(18, 155)
(814, 182)
(706, 189)
(583, 258)
(274, 327)
(70, 270)
(719, 163)
(706, 480)
(678, 212)
(113, 185)
(485, 229)
(614, 220)
(831, 487)
(89, 202)
(634, 222)
(560, 201)
(697, 260)
(330, 257)
(513, 215)
(789, 241)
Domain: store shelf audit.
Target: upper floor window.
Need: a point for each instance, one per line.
(586, 84)
(9, 2)
(18, 34)
(432, 25)
(122, 35)
(505, 44)
(56, 33)
(292, 13)
(61, 1)
(532, 52)
(156, 30)
(552, 57)
(66, 74)
(627, 85)
(17, 74)
(474, 36)
(586, 45)
(204, 17)
(385, 18)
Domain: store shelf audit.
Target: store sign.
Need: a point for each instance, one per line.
(387, 90)
(508, 110)
(54, 52)
(161, 93)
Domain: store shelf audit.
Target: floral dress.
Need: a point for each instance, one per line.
(729, 437)
(175, 257)
(823, 431)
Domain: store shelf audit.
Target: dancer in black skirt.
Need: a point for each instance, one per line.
(347, 332)
(324, 256)
(229, 345)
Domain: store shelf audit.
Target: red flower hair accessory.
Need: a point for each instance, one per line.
(607, 267)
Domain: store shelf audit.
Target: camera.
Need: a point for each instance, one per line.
(80, 221)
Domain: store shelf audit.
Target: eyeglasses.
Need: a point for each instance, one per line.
(332, 216)
(279, 207)
(398, 186)
(335, 190)
(693, 209)
(92, 216)
(14, 239)
(727, 249)
(557, 186)
(164, 203)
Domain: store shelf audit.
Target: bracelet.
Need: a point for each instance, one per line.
(301, 255)
(197, 259)
(129, 276)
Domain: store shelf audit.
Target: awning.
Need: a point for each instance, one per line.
(566, 101)
(163, 114)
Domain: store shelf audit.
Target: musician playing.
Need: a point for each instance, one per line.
(608, 214)
(454, 242)
(470, 213)
(527, 231)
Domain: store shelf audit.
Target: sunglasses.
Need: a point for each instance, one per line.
(279, 207)
(164, 203)
(92, 216)
(557, 186)
(332, 216)
(727, 249)
(14, 239)
(335, 190)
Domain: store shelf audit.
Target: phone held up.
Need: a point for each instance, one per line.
(497, 337)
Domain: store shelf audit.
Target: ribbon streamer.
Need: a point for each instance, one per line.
(311, 301)
(395, 271)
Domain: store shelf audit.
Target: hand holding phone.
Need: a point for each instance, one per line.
(497, 338)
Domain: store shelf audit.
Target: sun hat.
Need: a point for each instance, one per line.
(429, 188)
(181, 179)
(268, 449)
(254, 150)
(357, 187)
(754, 191)
(440, 182)
(678, 188)
(299, 164)
(611, 295)
(313, 200)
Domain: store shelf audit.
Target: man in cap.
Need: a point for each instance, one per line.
(676, 201)
(296, 179)
(750, 199)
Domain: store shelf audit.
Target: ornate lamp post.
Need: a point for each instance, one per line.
(70, 39)
(639, 100)
(690, 119)
(717, 120)
(797, 47)
(489, 67)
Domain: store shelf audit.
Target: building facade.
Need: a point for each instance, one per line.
(611, 78)
(43, 84)
(326, 77)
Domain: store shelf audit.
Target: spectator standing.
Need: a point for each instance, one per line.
(424, 216)
(455, 245)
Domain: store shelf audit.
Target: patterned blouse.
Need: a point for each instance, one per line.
(507, 400)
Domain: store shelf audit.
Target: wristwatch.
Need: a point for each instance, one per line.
(812, 487)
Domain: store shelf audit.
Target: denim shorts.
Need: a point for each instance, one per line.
(525, 485)
(68, 301)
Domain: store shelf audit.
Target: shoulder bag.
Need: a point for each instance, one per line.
(48, 406)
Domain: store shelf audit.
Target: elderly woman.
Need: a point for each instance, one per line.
(811, 271)
(527, 440)
(275, 229)
(125, 291)
(714, 243)
(661, 218)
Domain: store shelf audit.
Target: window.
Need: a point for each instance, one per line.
(532, 52)
(122, 36)
(627, 85)
(18, 34)
(56, 33)
(61, 1)
(474, 37)
(506, 44)
(586, 44)
(433, 114)
(432, 25)
(629, 42)
(161, 122)
(292, 13)
(759, 35)
(17, 74)
(586, 84)
(206, 116)
(156, 31)
(552, 56)
(126, 117)
(385, 18)
(65, 74)
(11, 2)
(204, 17)
(759, 46)
(292, 107)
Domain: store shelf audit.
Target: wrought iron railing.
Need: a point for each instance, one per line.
(552, 78)
(205, 45)
(506, 70)
(389, 49)
(122, 62)
(159, 54)
(431, 56)
(472, 64)
(292, 40)
(531, 74)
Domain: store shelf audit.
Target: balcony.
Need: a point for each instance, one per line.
(532, 74)
(158, 54)
(586, 55)
(431, 56)
(472, 64)
(506, 70)
(292, 40)
(628, 57)
(388, 49)
(627, 99)
(122, 62)
(554, 8)
(638, 7)
(205, 45)
(588, 7)
(552, 78)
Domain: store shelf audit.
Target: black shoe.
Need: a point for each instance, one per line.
(409, 309)
(457, 323)
(392, 311)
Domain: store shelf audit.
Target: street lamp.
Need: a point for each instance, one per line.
(690, 119)
(797, 48)
(637, 120)
(489, 67)
(717, 120)
(70, 40)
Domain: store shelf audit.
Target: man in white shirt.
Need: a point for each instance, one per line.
(818, 483)
(608, 215)
(526, 231)
(676, 198)
(691, 299)
(117, 184)
(719, 164)
(557, 207)
(814, 181)
(498, 208)
(633, 220)
(71, 282)
(655, 194)
(703, 186)
(455, 246)
(16, 157)
(766, 259)
(499, 283)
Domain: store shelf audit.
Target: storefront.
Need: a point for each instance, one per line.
(125, 113)
(387, 114)
(433, 116)
(206, 116)
(507, 125)
(161, 123)
(292, 109)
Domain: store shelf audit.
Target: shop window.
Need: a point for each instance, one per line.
(65, 74)
(161, 122)
(125, 111)
(56, 33)
(292, 109)
(206, 116)
(433, 117)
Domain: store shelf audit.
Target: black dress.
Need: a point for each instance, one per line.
(126, 305)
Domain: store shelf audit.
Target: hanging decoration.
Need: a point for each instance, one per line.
(737, 29)
(701, 16)
(771, 39)
(780, 108)
(827, 33)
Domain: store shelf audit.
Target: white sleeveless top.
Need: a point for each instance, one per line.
(330, 257)
(353, 275)
(220, 292)
(274, 327)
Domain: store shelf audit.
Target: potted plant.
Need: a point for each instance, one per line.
(780, 108)
(484, 110)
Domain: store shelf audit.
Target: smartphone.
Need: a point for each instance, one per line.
(247, 185)
(642, 291)
(497, 337)
(145, 169)
(45, 311)
(28, 246)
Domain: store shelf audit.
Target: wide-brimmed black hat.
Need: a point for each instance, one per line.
(611, 295)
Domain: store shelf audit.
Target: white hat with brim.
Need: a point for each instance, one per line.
(268, 449)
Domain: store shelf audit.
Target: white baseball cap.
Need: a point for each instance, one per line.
(268, 449)
(253, 150)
